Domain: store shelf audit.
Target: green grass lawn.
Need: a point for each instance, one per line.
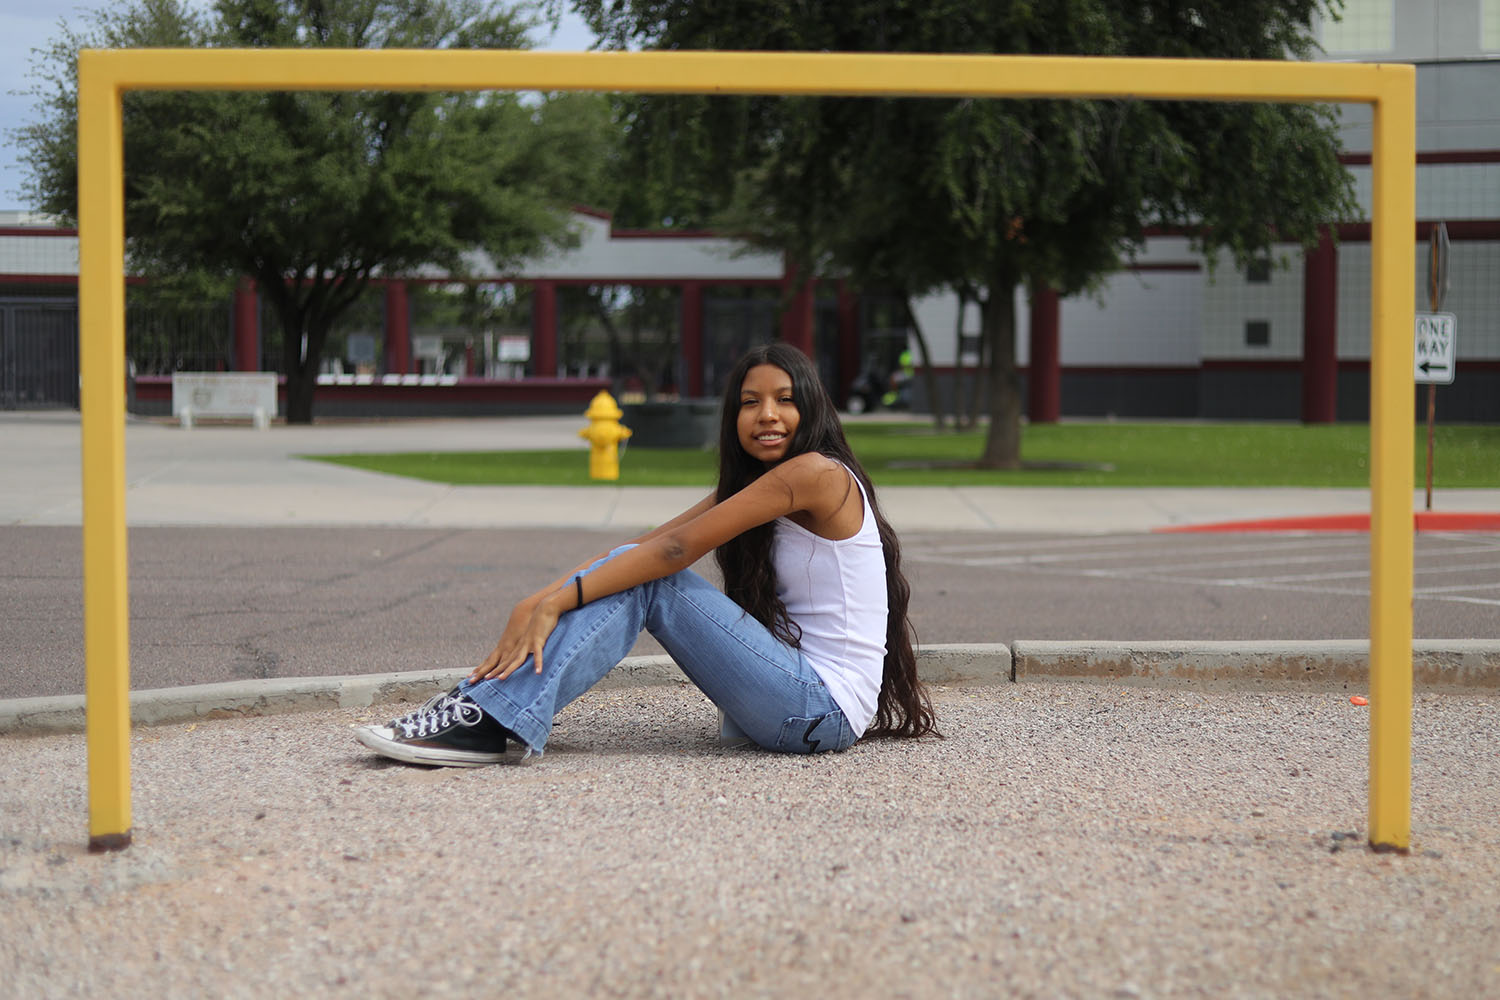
(1070, 454)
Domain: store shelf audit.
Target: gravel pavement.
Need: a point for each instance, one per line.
(1067, 839)
(1064, 839)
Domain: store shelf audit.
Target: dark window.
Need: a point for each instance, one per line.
(1257, 333)
(1259, 271)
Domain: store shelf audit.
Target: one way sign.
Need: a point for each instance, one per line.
(1437, 334)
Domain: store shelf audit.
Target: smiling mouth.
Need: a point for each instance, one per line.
(770, 438)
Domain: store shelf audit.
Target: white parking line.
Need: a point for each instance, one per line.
(1293, 560)
(1049, 557)
(1458, 586)
(1437, 555)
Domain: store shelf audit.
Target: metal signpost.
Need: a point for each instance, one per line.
(1436, 336)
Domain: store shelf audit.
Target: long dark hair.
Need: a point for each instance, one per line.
(904, 708)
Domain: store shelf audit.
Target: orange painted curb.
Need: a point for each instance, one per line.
(1423, 521)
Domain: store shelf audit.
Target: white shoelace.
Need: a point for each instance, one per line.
(438, 713)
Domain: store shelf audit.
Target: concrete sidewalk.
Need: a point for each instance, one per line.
(234, 475)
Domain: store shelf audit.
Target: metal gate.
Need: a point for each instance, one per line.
(38, 355)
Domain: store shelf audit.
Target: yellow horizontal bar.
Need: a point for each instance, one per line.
(821, 73)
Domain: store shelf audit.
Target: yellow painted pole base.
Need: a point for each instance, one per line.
(103, 843)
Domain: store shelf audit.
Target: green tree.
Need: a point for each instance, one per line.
(313, 193)
(983, 197)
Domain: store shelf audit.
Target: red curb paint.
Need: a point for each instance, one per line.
(1422, 521)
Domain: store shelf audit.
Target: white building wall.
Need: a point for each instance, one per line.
(937, 316)
(1473, 270)
(1145, 319)
(601, 254)
(1411, 31)
(1445, 191)
(1354, 301)
(1230, 301)
(49, 255)
(1473, 297)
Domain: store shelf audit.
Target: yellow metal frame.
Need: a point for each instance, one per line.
(103, 76)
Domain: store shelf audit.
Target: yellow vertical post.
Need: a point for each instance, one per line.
(1392, 268)
(101, 363)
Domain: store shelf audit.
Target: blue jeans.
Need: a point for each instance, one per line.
(763, 686)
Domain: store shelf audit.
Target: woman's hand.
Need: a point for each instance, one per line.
(525, 634)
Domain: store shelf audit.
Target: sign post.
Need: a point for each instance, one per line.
(1435, 336)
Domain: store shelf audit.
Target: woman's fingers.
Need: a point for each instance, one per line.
(488, 664)
(501, 663)
(514, 647)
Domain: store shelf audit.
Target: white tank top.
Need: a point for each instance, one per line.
(835, 591)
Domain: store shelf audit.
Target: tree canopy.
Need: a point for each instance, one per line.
(312, 194)
(982, 196)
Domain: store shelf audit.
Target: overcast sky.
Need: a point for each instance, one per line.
(28, 24)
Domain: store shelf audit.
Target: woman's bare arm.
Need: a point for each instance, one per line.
(566, 579)
(809, 482)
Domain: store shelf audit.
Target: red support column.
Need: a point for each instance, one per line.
(848, 341)
(797, 321)
(691, 344)
(397, 329)
(1044, 378)
(544, 329)
(1320, 347)
(246, 326)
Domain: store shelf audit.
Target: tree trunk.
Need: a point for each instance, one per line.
(307, 315)
(981, 365)
(301, 365)
(1002, 444)
(929, 377)
(960, 394)
(300, 382)
(611, 334)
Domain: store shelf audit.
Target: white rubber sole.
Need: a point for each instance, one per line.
(382, 740)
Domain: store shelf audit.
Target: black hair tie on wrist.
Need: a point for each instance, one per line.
(578, 585)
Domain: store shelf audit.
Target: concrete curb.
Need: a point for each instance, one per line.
(1461, 663)
(1468, 663)
(947, 664)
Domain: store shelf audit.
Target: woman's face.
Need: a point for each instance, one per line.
(768, 416)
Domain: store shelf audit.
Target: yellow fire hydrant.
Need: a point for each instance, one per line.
(604, 434)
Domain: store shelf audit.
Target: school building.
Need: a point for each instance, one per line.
(662, 315)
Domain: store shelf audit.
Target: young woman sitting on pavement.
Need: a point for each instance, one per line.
(807, 649)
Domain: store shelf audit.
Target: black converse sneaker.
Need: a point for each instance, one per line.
(450, 730)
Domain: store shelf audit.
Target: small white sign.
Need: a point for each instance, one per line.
(1437, 339)
(513, 349)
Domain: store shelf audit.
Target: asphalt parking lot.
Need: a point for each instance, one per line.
(233, 602)
(1219, 586)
